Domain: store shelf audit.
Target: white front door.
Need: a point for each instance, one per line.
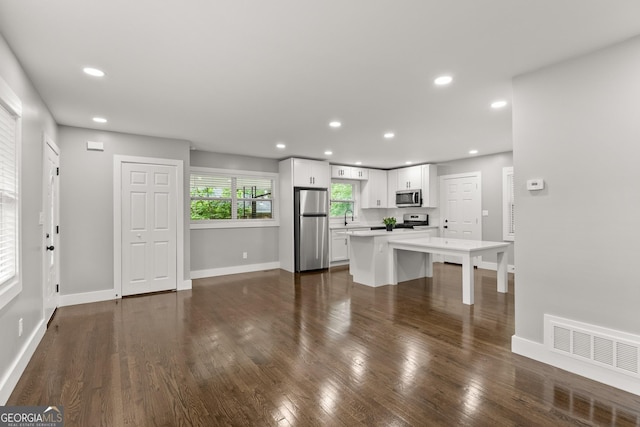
(51, 228)
(461, 208)
(149, 228)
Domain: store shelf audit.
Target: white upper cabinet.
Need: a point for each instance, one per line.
(374, 190)
(348, 172)
(392, 187)
(359, 173)
(311, 173)
(410, 178)
(429, 186)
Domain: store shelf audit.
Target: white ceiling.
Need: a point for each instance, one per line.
(238, 76)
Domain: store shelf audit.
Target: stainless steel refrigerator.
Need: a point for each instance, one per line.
(311, 229)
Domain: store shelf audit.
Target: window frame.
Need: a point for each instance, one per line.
(12, 287)
(355, 184)
(237, 223)
(508, 204)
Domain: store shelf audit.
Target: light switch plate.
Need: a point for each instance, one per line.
(485, 212)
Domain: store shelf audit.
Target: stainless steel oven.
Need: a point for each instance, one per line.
(408, 198)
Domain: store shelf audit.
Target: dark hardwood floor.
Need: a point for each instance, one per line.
(274, 348)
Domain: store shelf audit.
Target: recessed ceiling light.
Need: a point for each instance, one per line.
(473, 151)
(443, 80)
(280, 145)
(408, 163)
(335, 124)
(328, 153)
(93, 72)
(100, 120)
(358, 163)
(498, 104)
(389, 135)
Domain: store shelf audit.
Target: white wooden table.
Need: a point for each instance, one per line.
(467, 249)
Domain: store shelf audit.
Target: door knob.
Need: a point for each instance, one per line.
(50, 248)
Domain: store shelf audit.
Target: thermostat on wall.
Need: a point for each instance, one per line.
(535, 184)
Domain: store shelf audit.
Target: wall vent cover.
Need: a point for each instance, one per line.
(604, 347)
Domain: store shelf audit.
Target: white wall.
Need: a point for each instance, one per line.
(221, 249)
(86, 202)
(576, 125)
(36, 120)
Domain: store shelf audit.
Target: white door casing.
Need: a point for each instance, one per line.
(51, 232)
(148, 228)
(461, 201)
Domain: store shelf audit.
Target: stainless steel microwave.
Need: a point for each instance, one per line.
(408, 198)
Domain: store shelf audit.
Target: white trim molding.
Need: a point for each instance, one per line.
(14, 371)
(540, 352)
(87, 297)
(223, 271)
(508, 201)
(118, 160)
(185, 285)
(487, 265)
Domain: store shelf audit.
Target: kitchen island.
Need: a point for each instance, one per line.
(369, 255)
(467, 249)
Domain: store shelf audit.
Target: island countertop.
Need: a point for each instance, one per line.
(376, 233)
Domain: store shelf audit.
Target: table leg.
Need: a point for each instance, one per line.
(428, 258)
(393, 264)
(467, 280)
(502, 276)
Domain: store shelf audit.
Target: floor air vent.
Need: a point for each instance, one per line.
(604, 347)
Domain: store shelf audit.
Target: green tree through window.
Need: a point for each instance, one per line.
(342, 198)
(227, 197)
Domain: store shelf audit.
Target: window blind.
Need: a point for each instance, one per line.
(218, 196)
(8, 196)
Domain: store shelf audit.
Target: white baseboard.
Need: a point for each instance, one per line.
(537, 351)
(87, 297)
(494, 266)
(185, 285)
(223, 271)
(13, 372)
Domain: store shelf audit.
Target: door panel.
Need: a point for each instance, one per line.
(461, 209)
(51, 230)
(149, 229)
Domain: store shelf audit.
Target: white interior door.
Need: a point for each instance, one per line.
(51, 228)
(461, 208)
(149, 228)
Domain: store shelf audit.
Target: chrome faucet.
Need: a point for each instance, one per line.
(345, 216)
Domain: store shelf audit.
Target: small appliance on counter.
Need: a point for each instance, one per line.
(409, 221)
(408, 198)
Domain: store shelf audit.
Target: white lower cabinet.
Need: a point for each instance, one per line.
(340, 244)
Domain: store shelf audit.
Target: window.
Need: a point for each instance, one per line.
(10, 112)
(343, 197)
(223, 198)
(509, 204)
